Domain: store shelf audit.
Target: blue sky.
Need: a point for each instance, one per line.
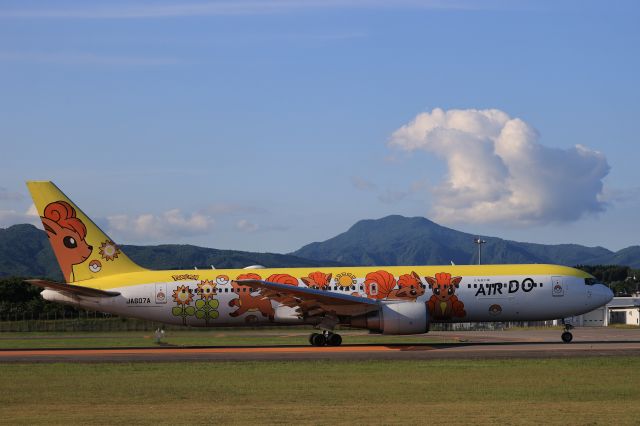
(266, 125)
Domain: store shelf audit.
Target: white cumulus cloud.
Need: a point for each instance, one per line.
(13, 217)
(150, 227)
(497, 171)
(246, 226)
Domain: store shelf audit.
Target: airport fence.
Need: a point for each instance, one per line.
(91, 321)
(76, 321)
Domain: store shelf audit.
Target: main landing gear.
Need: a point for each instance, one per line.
(567, 337)
(326, 338)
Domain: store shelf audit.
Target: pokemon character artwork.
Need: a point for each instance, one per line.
(382, 285)
(410, 286)
(444, 304)
(246, 302)
(318, 280)
(67, 236)
(82, 249)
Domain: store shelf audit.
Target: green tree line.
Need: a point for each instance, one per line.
(18, 299)
(623, 280)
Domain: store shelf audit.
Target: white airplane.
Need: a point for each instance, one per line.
(387, 300)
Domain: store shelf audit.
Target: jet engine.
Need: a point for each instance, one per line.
(395, 318)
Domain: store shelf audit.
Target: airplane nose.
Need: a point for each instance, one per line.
(601, 294)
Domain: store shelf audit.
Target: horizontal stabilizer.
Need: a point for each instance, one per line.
(72, 289)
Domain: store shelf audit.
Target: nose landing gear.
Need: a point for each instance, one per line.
(567, 337)
(326, 338)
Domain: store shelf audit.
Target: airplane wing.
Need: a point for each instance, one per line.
(72, 289)
(311, 302)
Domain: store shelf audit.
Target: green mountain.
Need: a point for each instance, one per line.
(398, 240)
(25, 252)
(392, 240)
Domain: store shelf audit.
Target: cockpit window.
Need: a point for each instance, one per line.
(589, 281)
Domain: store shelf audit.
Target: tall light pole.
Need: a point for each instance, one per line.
(479, 242)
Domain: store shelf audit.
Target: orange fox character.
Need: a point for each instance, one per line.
(248, 303)
(283, 279)
(317, 280)
(379, 284)
(444, 304)
(410, 286)
(67, 235)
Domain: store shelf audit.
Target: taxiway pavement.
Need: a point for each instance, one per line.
(473, 345)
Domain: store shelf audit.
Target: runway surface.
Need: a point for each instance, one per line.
(474, 345)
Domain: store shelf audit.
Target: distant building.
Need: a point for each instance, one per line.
(621, 310)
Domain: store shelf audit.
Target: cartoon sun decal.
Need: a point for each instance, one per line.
(109, 250)
(345, 280)
(182, 295)
(207, 289)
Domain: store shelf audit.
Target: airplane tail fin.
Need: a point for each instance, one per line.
(83, 250)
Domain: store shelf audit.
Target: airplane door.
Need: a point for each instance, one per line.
(557, 286)
(161, 293)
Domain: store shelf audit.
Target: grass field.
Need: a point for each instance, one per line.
(558, 391)
(220, 337)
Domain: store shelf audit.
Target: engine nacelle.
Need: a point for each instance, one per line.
(395, 318)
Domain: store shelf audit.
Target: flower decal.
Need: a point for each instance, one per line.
(182, 295)
(207, 289)
(109, 250)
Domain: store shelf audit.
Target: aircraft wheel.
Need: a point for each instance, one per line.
(567, 337)
(334, 339)
(318, 340)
